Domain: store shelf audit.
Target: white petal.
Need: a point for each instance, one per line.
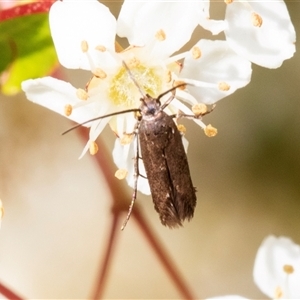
(214, 26)
(217, 64)
(72, 22)
(272, 255)
(268, 45)
(124, 159)
(54, 94)
(140, 21)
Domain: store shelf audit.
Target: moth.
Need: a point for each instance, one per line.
(164, 158)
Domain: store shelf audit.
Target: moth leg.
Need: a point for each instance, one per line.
(136, 176)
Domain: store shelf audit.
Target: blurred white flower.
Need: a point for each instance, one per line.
(277, 268)
(260, 31)
(84, 37)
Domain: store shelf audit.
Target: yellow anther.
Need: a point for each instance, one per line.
(288, 269)
(223, 86)
(168, 76)
(68, 110)
(1, 210)
(82, 94)
(126, 139)
(84, 46)
(99, 73)
(179, 82)
(101, 48)
(181, 128)
(121, 174)
(210, 131)
(228, 1)
(133, 63)
(278, 293)
(199, 109)
(196, 52)
(160, 35)
(93, 148)
(256, 19)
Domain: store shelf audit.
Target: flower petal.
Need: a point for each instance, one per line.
(141, 21)
(123, 157)
(54, 94)
(267, 45)
(72, 22)
(272, 257)
(217, 65)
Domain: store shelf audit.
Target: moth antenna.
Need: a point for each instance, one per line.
(102, 117)
(133, 79)
(172, 97)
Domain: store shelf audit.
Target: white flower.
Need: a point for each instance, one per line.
(84, 36)
(260, 31)
(277, 268)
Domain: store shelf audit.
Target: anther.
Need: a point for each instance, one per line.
(196, 52)
(210, 131)
(256, 20)
(288, 269)
(82, 94)
(99, 73)
(68, 110)
(93, 148)
(84, 46)
(160, 35)
(278, 293)
(223, 86)
(133, 63)
(168, 76)
(178, 82)
(181, 128)
(199, 109)
(121, 174)
(126, 139)
(101, 48)
(228, 1)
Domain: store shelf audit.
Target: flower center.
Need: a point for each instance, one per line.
(122, 90)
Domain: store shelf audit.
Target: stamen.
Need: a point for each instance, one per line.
(181, 128)
(126, 139)
(68, 110)
(93, 148)
(196, 52)
(101, 48)
(210, 131)
(256, 20)
(82, 94)
(288, 269)
(199, 109)
(223, 86)
(99, 73)
(84, 46)
(121, 174)
(160, 35)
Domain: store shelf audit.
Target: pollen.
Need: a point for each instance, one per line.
(168, 76)
(99, 73)
(196, 52)
(160, 35)
(126, 139)
(82, 94)
(93, 148)
(68, 110)
(121, 174)
(133, 63)
(288, 269)
(199, 109)
(181, 128)
(223, 86)
(178, 82)
(101, 48)
(256, 20)
(84, 46)
(210, 131)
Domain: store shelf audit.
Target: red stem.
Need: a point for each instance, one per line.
(9, 294)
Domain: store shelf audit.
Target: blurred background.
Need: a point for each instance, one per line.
(58, 208)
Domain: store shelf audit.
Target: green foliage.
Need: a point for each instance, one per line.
(27, 50)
